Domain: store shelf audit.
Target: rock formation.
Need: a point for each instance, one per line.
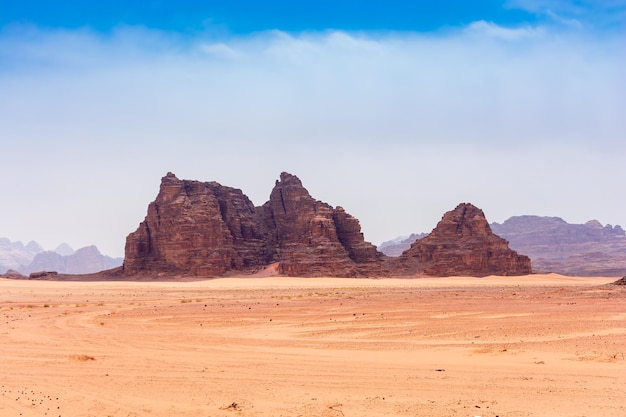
(554, 245)
(206, 229)
(462, 243)
(621, 281)
(202, 228)
(311, 238)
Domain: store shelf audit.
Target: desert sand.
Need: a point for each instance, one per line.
(541, 345)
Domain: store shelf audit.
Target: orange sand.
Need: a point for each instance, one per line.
(542, 345)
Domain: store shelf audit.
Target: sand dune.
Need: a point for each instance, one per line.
(496, 346)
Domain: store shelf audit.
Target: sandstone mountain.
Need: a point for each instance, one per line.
(462, 243)
(14, 254)
(207, 229)
(554, 245)
(64, 260)
(64, 249)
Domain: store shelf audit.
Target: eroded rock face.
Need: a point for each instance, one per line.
(198, 228)
(311, 238)
(207, 229)
(462, 243)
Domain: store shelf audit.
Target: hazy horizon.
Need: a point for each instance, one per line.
(395, 111)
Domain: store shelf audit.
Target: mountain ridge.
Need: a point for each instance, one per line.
(196, 228)
(32, 257)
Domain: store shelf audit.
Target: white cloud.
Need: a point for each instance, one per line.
(575, 23)
(491, 29)
(397, 128)
(219, 49)
(576, 14)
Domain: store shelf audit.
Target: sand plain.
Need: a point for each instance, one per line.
(541, 345)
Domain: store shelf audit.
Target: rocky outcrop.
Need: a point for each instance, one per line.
(588, 249)
(311, 238)
(621, 281)
(462, 243)
(206, 229)
(198, 228)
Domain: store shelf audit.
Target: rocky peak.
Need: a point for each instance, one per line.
(465, 221)
(594, 224)
(206, 229)
(201, 228)
(311, 237)
(462, 243)
(64, 249)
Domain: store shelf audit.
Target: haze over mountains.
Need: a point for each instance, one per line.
(214, 229)
(588, 249)
(31, 257)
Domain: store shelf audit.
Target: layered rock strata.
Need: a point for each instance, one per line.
(462, 243)
(206, 229)
(311, 238)
(201, 228)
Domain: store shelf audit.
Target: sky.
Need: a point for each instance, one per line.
(396, 110)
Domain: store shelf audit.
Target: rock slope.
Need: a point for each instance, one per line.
(463, 243)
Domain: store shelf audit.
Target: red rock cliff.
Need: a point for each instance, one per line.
(462, 243)
(311, 238)
(201, 228)
(206, 229)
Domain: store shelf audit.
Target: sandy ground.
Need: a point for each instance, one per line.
(524, 346)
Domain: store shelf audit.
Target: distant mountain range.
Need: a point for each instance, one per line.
(29, 258)
(554, 245)
(396, 246)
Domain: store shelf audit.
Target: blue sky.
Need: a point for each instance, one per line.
(242, 17)
(397, 111)
(239, 17)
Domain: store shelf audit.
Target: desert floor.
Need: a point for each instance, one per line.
(541, 345)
